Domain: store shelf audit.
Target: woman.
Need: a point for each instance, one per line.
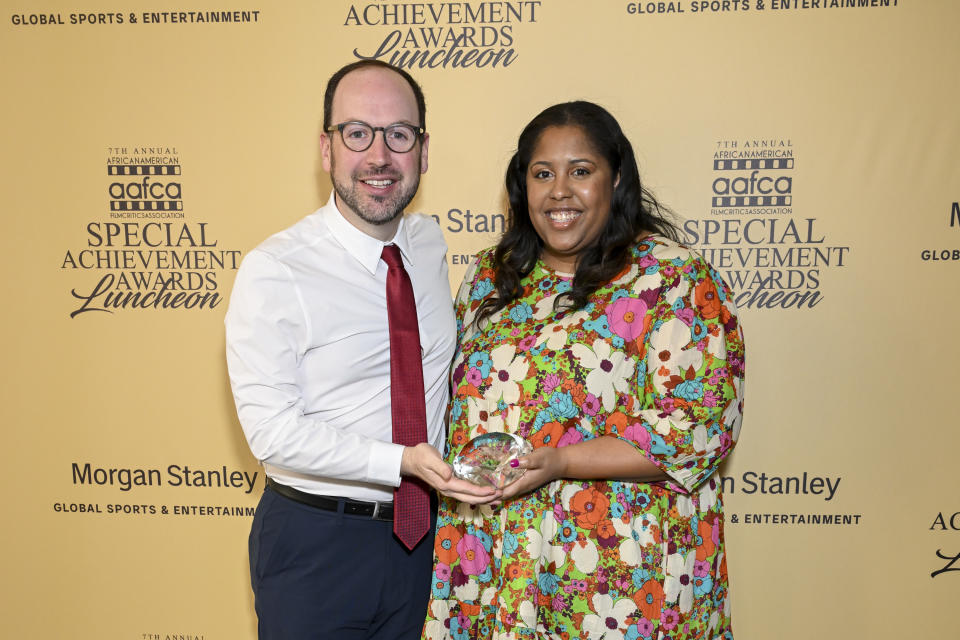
(617, 353)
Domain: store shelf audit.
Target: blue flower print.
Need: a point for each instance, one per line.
(677, 305)
(698, 330)
(482, 289)
(717, 281)
(510, 543)
(702, 585)
(481, 361)
(485, 540)
(689, 390)
(652, 269)
(543, 417)
(567, 532)
(521, 312)
(456, 410)
(441, 589)
(617, 342)
(547, 583)
(619, 293)
(563, 286)
(640, 576)
(658, 446)
(456, 631)
(545, 284)
(601, 325)
(642, 500)
(561, 404)
(487, 575)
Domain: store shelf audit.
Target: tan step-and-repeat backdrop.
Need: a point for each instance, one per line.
(810, 146)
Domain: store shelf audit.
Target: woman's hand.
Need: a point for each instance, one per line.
(602, 458)
(543, 465)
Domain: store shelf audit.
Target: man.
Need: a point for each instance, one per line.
(310, 350)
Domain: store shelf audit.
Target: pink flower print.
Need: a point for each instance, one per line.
(669, 619)
(527, 343)
(710, 399)
(591, 404)
(626, 317)
(551, 382)
(701, 568)
(668, 271)
(638, 434)
(474, 376)
(558, 602)
(570, 436)
(558, 513)
(685, 315)
(645, 627)
(647, 261)
(473, 557)
(666, 405)
(442, 572)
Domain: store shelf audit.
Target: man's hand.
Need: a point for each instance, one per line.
(424, 462)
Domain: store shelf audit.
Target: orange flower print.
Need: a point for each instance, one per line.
(576, 391)
(650, 599)
(707, 299)
(548, 435)
(458, 438)
(705, 546)
(590, 507)
(605, 529)
(616, 422)
(445, 544)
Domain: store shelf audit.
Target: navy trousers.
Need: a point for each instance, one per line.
(322, 574)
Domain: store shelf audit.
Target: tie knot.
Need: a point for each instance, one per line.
(391, 255)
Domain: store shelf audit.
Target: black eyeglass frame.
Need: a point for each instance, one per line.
(418, 134)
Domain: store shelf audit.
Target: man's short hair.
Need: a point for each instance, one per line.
(335, 79)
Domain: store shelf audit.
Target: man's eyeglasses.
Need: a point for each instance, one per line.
(358, 136)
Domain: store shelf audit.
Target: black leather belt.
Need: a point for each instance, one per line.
(374, 510)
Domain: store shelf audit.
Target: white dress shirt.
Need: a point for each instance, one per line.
(308, 350)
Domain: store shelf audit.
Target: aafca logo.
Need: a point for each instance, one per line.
(144, 181)
(753, 177)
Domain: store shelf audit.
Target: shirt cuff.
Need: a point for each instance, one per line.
(384, 464)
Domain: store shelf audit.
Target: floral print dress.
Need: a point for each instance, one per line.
(655, 358)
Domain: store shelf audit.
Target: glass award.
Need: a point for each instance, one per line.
(486, 459)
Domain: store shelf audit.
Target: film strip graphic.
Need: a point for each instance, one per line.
(133, 170)
(753, 164)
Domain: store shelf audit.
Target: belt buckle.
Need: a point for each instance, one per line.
(376, 510)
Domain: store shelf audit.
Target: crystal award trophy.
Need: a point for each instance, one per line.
(486, 459)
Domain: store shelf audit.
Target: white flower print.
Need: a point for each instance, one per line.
(554, 335)
(667, 352)
(539, 541)
(610, 618)
(505, 375)
(609, 371)
(678, 585)
(630, 549)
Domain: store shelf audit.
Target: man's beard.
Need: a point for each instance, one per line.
(373, 209)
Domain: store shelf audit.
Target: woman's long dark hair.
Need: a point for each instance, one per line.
(633, 211)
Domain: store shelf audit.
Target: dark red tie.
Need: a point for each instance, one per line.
(411, 500)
